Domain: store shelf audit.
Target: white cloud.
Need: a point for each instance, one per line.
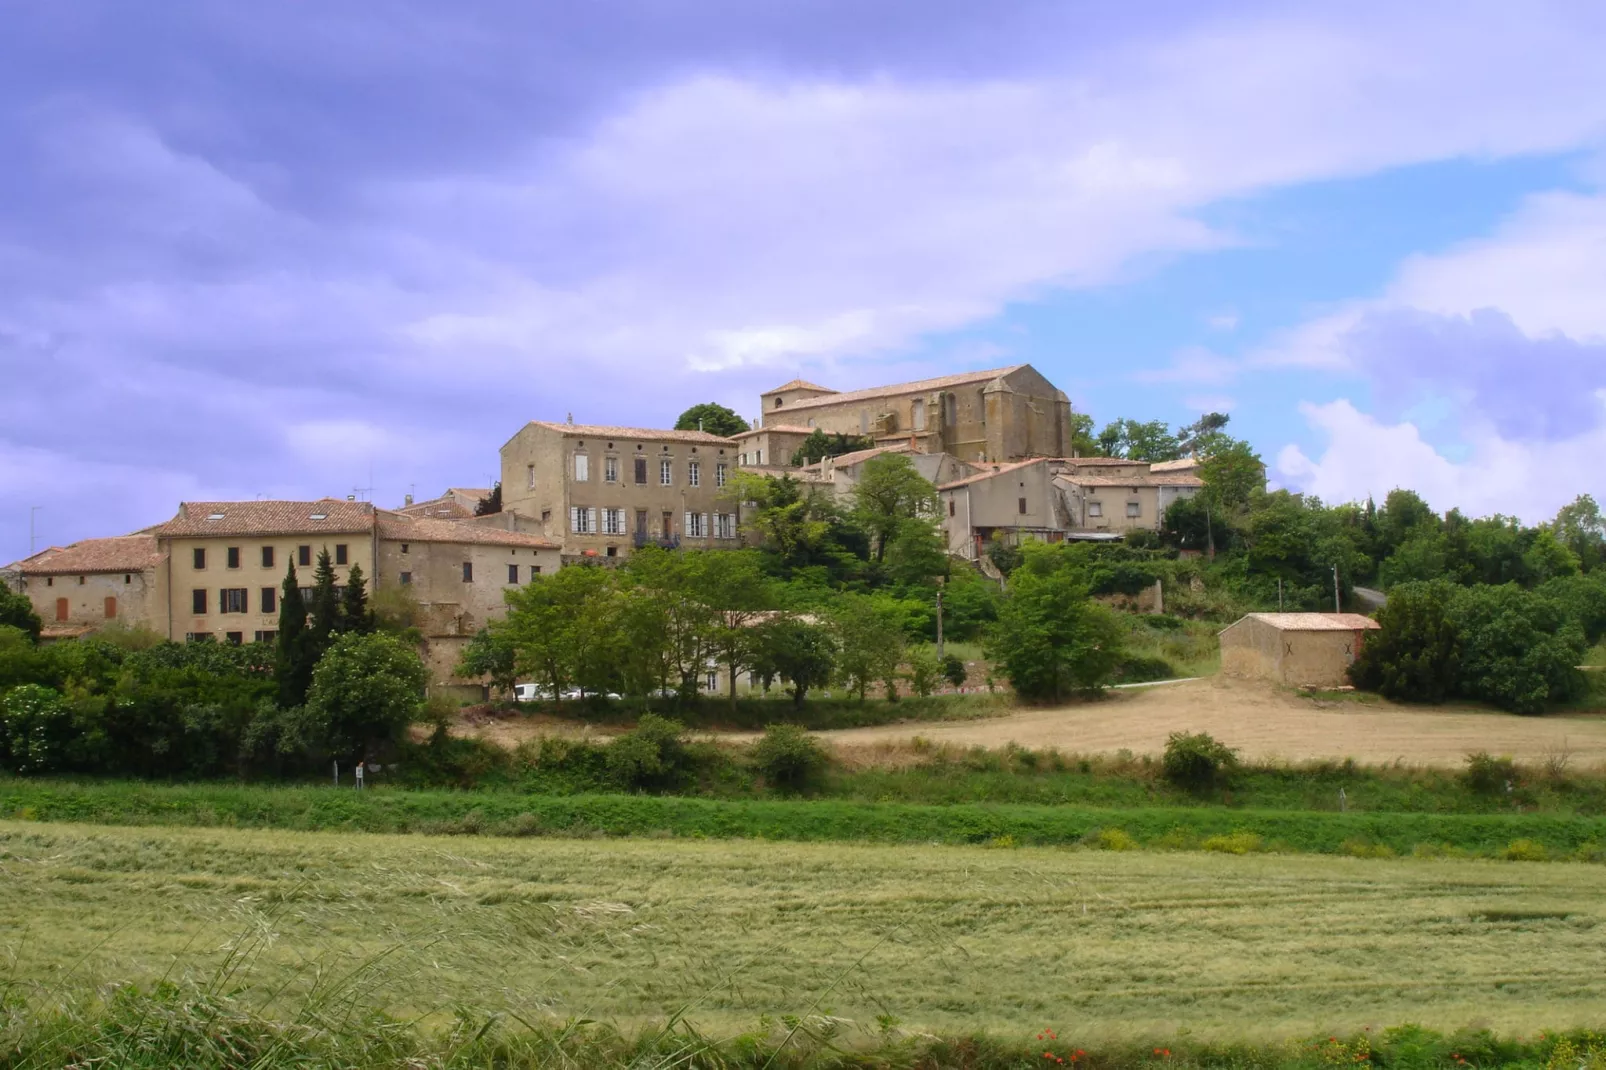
(1363, 456)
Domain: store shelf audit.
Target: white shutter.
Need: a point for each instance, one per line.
(687, 527)
(574, 518)
(592, 525)
(704, 530)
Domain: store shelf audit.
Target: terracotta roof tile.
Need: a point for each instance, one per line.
(994, 470)
(1314, 622)
(782, 429)
(399, 528)
(331, 516)
(864, 455)
(941, 382)
(1099, 462)
(1148, 480)
(1182, 465)
(450, 508)
(797, 384)
(609, 431)
(122, 553)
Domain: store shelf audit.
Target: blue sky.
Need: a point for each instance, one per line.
(260, 251)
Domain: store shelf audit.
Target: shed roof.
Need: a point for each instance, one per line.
(1314, 622)
(120, 553)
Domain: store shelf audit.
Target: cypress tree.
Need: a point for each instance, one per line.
(291, 667)
(325, 607)
(354, 614)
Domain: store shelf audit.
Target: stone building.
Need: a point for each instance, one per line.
(88, 584)
(601, 491)
(769, 447)
(1299, 649)
(1003, 414)
(457, 503)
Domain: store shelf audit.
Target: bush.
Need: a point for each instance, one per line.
(1051, 639)
(1236, 843)
(35, 726)
(1488, 775)
(1524, 851)
(650, 756)
(1196, 762)
(1416, 656)
(953, 670)
(924, 670)
(789, 758)
(366, 689)
(1518, 649)
(1114, 840)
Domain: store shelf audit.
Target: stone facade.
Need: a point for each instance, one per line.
(999, 415)
(1299, 649)
(602, 491)
(88, 584)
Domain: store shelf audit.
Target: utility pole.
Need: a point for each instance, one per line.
(1336, 607)
(940, 581)
(32, 509)
(1279, 594)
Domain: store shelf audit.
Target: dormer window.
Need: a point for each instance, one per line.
(214, 516)
(319, 516)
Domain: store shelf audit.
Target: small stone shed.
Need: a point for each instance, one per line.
(1301, 649)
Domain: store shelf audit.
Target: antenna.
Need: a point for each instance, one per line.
(32, 509)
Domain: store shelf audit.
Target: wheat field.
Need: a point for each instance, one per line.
(1010, 940)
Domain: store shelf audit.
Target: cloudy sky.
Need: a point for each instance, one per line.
(297, 249)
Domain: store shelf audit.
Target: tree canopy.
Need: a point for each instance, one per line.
(713, 418)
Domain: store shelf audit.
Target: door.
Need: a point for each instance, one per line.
(61, 609)
(641, 522)
(669, 522)
(111, 607)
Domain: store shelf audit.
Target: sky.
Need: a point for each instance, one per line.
(290, 250)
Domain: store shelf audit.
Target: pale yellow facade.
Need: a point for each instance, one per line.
(1298, 649)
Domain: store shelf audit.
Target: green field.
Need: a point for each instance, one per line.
(946, 938)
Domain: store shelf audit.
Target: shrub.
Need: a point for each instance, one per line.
(1524, 851)
(366, 689)
(651, 755)
(1051, 638)
(953, 670)
(35, 724)
(1488, 775)
(924, 670)
(1416, 656)
(789, 758)
(1196, 762)
(1518, 649)
(1236, 843)
(1115, 840)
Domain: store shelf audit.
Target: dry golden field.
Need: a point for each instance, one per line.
(945, 938)
(1268, 722)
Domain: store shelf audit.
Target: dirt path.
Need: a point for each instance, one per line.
(1266, 722)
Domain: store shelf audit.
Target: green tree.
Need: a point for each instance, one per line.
(365, 691)
(789, 758)
(491, 503)
(1233, 477)
(294, 654)
(1582, 599)
(354, 614)
(1416, 656)
(798, 651)
(869, 642)
(916, 554)
(1403, 513)
(1582, 530)
(1518, 649)
(324, 608)
(818, 445)
(17, 612)
(732, 585)
(490, 653)
(1139, 441)
(1051, 638)
(713, 418)
(35, 729)
(1206, 436)
(889, 494)
(564, 627)
(923, 669)
(1083, 441)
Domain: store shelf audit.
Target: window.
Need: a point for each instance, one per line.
(950, 507)
(199, 557)
(269, 600)
(777, 403)
(267, 557)
(582, 521)
(50, 581)
(267, 636)
(128, 577)
(694, 473)
(529, 476)
(234, 638)
(231, 600)
(613, 521)
(666, 473)
(198, 600)
(340, 553)
(468, 572)
(406, 579)
(303, 556)
(610, 469)
(513, 573)
(197, 637)
(62, 609)
(719, 475)
(582, 468)
(111, 607)
(1095, 509)
(696, 525)
(1134, 508)
(641, 470)
(758, 456)
(724, 525)
(535, 570)
(711, 681)
(80, 581)
(232, 555)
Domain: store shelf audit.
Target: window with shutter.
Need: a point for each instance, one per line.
(574, 519)
(582, 468)
(591, 521)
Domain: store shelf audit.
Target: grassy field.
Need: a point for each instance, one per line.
(1522, 836)
(1110, 945)
(1271, 723)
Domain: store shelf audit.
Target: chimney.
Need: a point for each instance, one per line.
(407, 500)
(571, 419)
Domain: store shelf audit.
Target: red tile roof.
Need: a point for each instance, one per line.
(797, 384)
(1314, 622)
(1145, 480)
(609, 431)
(121, 553)
(994, 470)
(396, 527)
(941, 382)
(848, 459)
(326, 516)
